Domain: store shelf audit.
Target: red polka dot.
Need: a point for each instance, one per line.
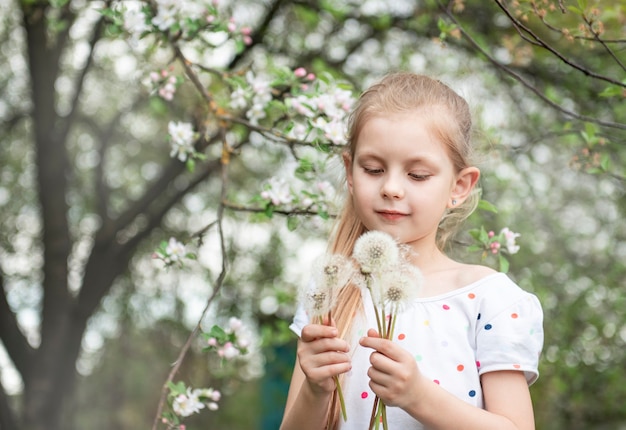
(517, 366)
(514, 315)
(471, 295)
(436, 381)
(477, 363)
(364, 395)
(460, 367)
(446, 307)
(401, 336)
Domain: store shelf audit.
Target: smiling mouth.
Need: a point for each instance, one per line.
(391, 215)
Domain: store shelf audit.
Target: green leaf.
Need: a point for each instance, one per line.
(217, 332)
(605, 162)
(484, 205)
(575, 10)
(176, 389)
(191, 165)
(293, 222)
(504, 264)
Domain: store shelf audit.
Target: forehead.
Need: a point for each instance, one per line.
(410, 132)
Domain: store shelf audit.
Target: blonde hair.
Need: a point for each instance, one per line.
(396, 93)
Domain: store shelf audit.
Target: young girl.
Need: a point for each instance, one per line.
(465, 351)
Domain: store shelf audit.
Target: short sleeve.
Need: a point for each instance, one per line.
(512, 339)
(300, 319)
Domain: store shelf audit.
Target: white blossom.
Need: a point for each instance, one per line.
(174, 250)
(182, 136)
(510, 237)
(135, 22)
(187, 404)
(278, 192)
(238, 99)
(228, 351)
(165, 18)
(255, 113)
(335, 131)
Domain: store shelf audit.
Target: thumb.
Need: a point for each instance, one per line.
(372, 333)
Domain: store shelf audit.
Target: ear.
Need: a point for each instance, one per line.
(347, 163)
(466, 180)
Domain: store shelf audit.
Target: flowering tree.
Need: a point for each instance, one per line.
(145, 103)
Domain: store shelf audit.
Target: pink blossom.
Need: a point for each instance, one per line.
(491, 234)
(310, 77)
(300, 72)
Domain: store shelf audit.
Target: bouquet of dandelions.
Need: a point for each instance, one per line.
(392, 282)
(331, 272)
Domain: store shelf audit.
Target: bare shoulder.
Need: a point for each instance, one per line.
(452, 276)
(469, 273)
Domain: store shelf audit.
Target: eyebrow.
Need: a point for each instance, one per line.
(420, 159)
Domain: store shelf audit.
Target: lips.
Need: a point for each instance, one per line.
(391, 215)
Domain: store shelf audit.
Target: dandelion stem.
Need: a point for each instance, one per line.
(342, 402)
(374, 414)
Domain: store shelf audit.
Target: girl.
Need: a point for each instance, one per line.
(465, 352)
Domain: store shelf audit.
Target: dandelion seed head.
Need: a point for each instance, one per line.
(375, 251)
(395, 294)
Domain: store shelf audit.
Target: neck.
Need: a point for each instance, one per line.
(429, 259)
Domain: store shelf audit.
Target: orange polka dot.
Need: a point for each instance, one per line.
(514, 315)
(460, 367)
(401, 336)
(471, 295)
(517, 366)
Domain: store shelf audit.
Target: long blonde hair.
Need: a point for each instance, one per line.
(395, 93)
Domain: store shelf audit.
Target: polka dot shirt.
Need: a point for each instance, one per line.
(489, 325)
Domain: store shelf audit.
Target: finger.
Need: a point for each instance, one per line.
(311, 332)
(319, 347)
(372, 333)
(378, 343)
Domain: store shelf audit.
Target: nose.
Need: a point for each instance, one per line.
(392, 188)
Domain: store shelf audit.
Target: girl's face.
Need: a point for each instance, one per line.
(401, 178)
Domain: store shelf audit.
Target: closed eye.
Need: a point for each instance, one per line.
(419, 177)
(372, 171)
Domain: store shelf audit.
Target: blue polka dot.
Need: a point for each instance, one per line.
(488, 327)
(478, 317)
(472, 393)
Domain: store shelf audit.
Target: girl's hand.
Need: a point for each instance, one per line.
(394, 376)
(322, 355)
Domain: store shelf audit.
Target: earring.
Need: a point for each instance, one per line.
(453, 202)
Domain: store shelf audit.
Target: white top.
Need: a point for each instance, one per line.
(489, 325)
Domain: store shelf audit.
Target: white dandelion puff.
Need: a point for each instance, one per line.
(376, 251)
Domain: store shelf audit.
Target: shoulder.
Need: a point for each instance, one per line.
(467, 274)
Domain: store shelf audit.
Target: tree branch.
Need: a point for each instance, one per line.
(8, 419)
(258, 34)
(527, 84)
(216, 289)
(14, 341)
(523, 29)
(68, 121)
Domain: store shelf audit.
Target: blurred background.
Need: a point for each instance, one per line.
(90, 324)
